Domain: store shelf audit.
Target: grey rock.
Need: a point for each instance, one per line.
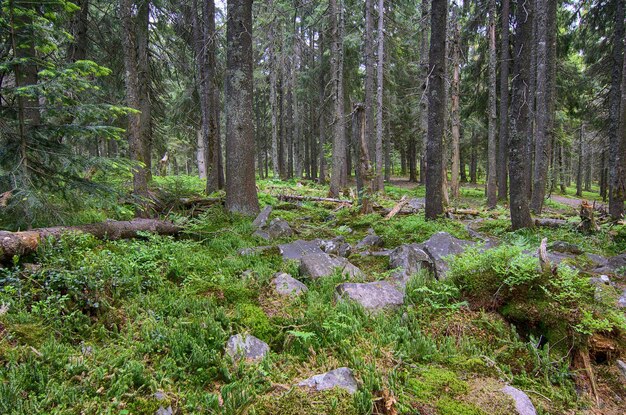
(373, 296)
(408, 260)
(622, 368)
(338, 378)
(565, 247)
(254, 250)
(262, 234)
(618, 264)
(279, 228)
(336, 246)
(262, 218)
(319, 265)
(440, 247)
(297, 249)
(415, 204)
(160, 396)
(286, 285)
(621, 302)
(246, 346)
(370, 241)
(597, 260)
(523, 404)
(165, 411)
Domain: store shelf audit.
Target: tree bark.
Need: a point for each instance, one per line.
(542, 146)
(370, 79)
(579, 167)
(520, 210)
(27, 242)
(273, 67)
(241, 196)
(455, 108)
(423, 68)
(503, 145)
(436, 110)
(616, 193)
(339, 178)
(142, 28)
(365, 173)
(491, 145)
(321, 118)
(78, 28)
(380, 56)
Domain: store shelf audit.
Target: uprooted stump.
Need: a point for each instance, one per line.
(587, 220)
(27, 242)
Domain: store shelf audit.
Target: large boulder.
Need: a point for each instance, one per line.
(278, 228)
(523, 404)
(319, 265)
(440, 247)
(338, 378)
(262, 218)
(565, 248)
(416, 204)
(246, 346)
(286, 285)
(408, 260)
(621, 301)
(373, 296)
(297, 249)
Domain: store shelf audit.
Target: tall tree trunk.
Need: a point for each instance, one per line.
(436, 109)
(143, 67)
(321, 119)
(542, 146)
(616, 195)
(215, 169)
(620, 162)
(241, 196)
(78, 28)
(531, 98)
(579, 166)
(339, 178)
(380, 56)
(503, 145)
(491, 145)
(273, 67)
(423, 71)
(133, 92)
(370, 79)
(520, 210)
(412, 159)
(201, 154)
(474, 159)
(455, 108)
(364, 170)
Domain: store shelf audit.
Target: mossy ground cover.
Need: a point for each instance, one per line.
(99, 327)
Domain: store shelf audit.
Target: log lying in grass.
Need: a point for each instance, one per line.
(27, 242)
(550, 223)
(288, 198)
(403, 201)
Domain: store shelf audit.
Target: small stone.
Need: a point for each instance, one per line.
(336, 246)
(621, 302)
(523, 404)
(262, 218)
(279, 228)
(165, 411)
(373, 296)
(338, 378)
(160, 396)
(286, 285)
(246, 347)
(370, 241)
(416, 204)
(440, 247)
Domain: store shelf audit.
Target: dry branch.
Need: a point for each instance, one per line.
(287, 198)
(550, 223)
(27, 242)
(403, 201)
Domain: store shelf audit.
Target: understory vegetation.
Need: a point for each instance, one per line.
(126, 327)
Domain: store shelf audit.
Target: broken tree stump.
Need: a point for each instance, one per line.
(587, 220)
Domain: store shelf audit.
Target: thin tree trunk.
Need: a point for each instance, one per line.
(579, 167)
(78, 28)
(474, 159)
(379, 182)
(503, 145)
(142, 27)
(321, 119)
(616, 183)
(491, 145)
(273, 67)
(436, 110)
(201, 154)
(370, 79)
(241, 196)
(423, 68)
(456, 110)
(520, 211)
(339, 178)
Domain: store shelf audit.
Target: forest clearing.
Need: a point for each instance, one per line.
(313, 207)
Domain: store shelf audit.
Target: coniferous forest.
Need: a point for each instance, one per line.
(313, 207)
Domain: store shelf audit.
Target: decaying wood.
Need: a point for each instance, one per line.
(550, 223)
(468, 212)
(592, 379)
(544, 262)
(587, 219)
(287, 198)
(393, 212)
(27, 242)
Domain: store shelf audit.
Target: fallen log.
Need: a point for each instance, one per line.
(287, 198)
(468, 212)
(403, 201)
(27, 242)
(550, 223)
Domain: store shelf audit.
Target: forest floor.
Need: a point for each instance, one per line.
(429, 317)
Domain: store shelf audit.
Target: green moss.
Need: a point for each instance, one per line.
(447, 406)
(434, 382)
(301, 401)
(253, 318)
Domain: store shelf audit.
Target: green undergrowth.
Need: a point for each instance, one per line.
(99, 327)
